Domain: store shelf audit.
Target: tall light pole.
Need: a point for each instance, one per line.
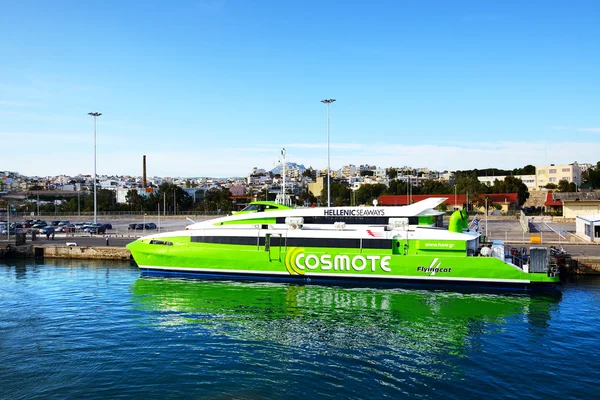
(328, 102)
(95, 114)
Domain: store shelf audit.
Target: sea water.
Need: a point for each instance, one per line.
(98, 330)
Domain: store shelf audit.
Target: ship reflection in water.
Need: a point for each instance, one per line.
(423, 326)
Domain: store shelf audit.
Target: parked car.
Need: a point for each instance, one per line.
(107, 226)
(47, 229)
(66, 228)
(62, 223)
(150, 225)
(39, 224)
(54, 223)
(80, 226)
(132, 226)
(96, 229)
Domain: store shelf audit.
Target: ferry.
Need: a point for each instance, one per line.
(360, 246)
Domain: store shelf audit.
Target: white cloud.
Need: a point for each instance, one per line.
(594, 130)
(239, 161)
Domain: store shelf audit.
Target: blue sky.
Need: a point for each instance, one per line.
(216, 87)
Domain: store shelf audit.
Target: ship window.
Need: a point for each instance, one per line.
(296, 242)
(161, 242)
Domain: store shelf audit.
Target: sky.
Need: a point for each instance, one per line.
(217, 87)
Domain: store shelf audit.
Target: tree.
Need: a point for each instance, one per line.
(309, 173)
(306, 197)
(511, 184)
(435, 187)
(366, 173)
(468, 183)
(367, 193)
(392, 173)
(217, 200)
(134, 200)
(528, 170)
(396, 187)
(340, 194)
(566, 186)
(592, 176)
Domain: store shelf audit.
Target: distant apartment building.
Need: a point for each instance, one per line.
(348, 170)
(528, 180)
(380, 173)
(315, 188)
(556, 173)
(446, 177)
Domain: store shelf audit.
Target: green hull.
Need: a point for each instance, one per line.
(319, 264)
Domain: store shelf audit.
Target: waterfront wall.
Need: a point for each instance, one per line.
(83, 252)
(70, 252)
(585, 265)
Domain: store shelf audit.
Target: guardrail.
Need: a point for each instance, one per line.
(524, 219)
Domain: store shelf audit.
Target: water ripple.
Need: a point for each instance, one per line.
(98, 330)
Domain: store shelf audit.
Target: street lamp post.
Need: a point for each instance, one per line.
(328, 102)
(95, 114)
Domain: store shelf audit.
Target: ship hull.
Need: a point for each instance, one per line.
(340, 266)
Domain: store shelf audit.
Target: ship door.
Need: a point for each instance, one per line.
(400, 246)
(273, 243)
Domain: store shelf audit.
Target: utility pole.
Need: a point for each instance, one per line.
(328, 102)
(95, 115)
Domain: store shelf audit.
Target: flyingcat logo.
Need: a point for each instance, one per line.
(297, 262)
(434, 268)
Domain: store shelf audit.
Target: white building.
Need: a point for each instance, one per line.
(528, 180)
(588, 227)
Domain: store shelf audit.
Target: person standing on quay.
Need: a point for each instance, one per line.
(107, 240)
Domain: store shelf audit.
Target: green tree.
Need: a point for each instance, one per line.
(134, 200)
(306, 197)
(436, 187)
(309, 172)
(592, 176)
(217, 200)
(468, 183)
(528, 170)
(392, 173)
(511, 184)
(566, 186)
(366, 173)
(396, 187)
(340, 194)
(175, 197)
(367, 193)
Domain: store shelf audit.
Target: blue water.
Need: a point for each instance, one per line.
(71, 330)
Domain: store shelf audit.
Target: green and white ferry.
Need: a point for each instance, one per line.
(388, 246)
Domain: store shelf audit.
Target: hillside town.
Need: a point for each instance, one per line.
(538, 189)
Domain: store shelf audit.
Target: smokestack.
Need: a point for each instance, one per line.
(144, 173)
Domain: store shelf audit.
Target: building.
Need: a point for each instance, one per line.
(578, 203)
(315, 188)
(556, 173)
(529, 180)
(587, 227)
